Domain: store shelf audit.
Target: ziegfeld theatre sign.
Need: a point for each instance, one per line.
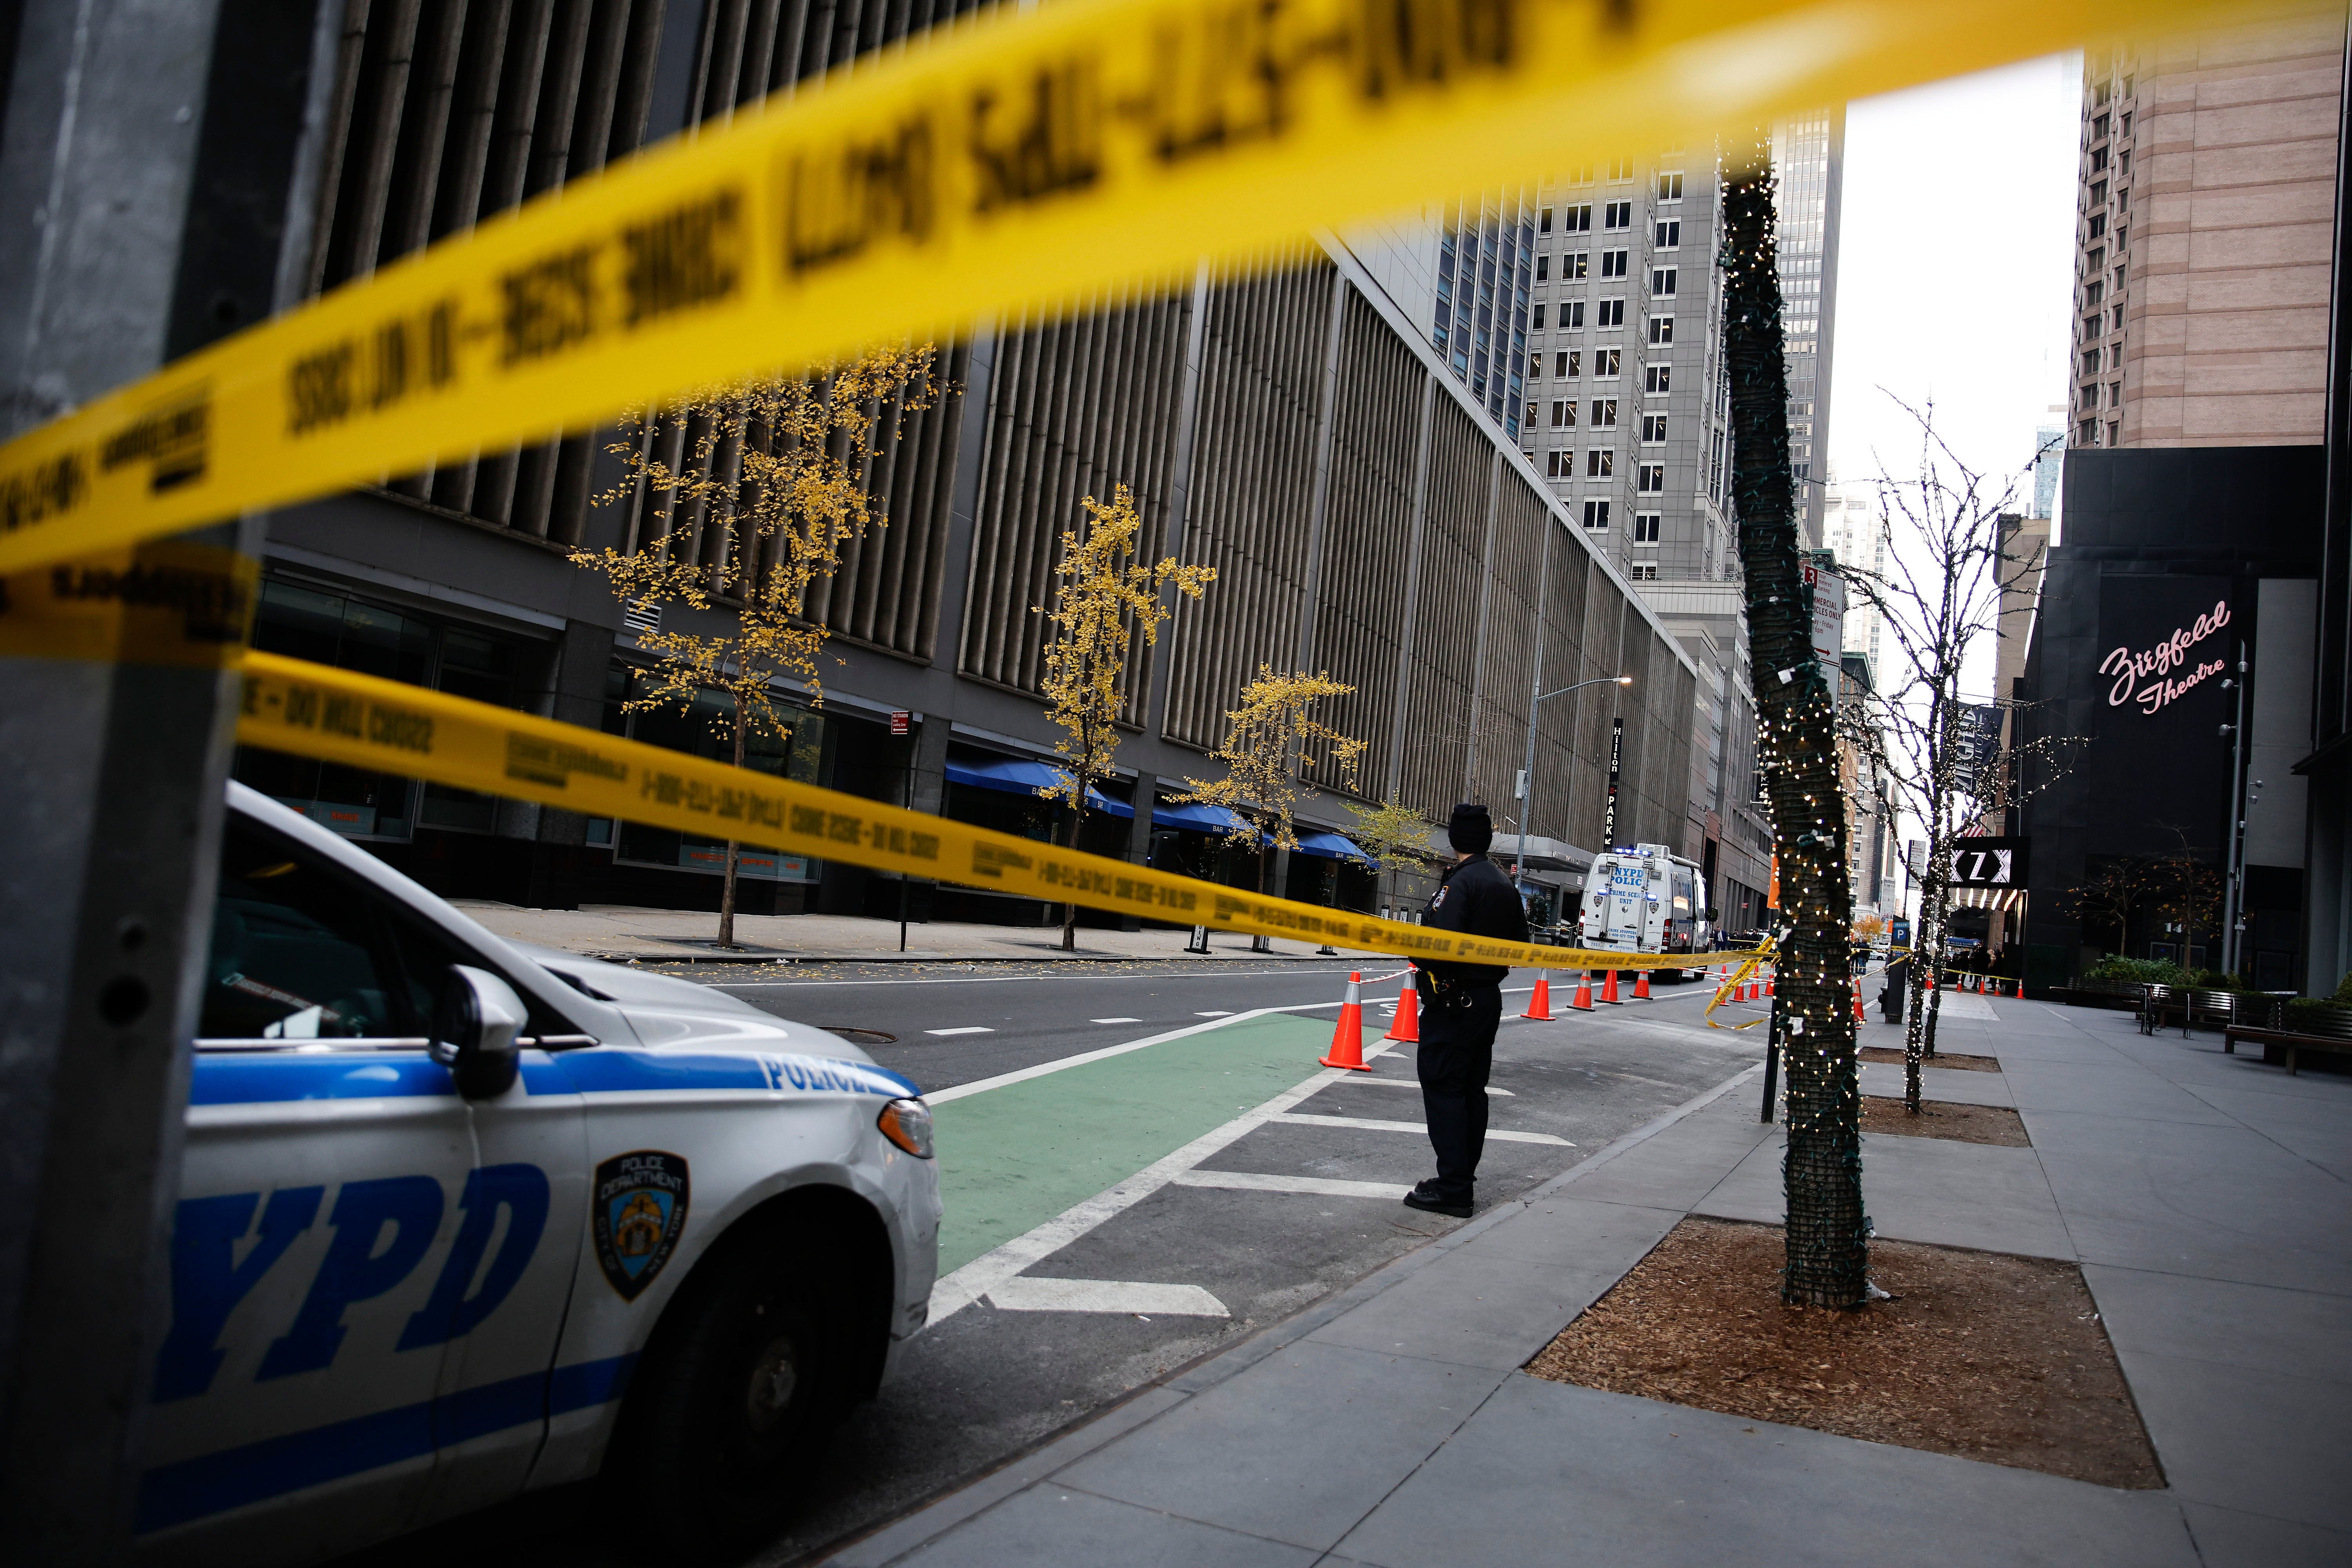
(2154, 678)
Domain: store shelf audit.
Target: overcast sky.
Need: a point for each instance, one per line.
(1954, 268)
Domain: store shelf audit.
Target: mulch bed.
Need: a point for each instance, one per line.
(1940, 1060)
(1946, 1119)
(1978, 1354)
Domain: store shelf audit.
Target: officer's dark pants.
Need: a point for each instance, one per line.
(1458, 1050)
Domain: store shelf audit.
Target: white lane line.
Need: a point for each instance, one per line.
(967, 1029)
(1410, 1083)
(1366, 1124)
(1059, 1064)
(979, 1278)
(1213, 1012)
(1114, 1020)
(1123, 1295)
(1313, 1186)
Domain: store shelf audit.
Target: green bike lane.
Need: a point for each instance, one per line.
(1015, 1156)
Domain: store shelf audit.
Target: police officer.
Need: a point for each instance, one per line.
(1461, 1005)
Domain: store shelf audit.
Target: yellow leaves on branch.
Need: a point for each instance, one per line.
(1105, 599)
(1394, 835)
(1271, 740)
(753, 490)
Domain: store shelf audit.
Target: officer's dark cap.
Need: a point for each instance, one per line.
(1471, 830)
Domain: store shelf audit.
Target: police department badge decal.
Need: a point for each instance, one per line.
(639, 1213)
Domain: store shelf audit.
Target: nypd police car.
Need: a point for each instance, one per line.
(460, 1218)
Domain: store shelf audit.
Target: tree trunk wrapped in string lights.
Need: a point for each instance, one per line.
(1796, 710)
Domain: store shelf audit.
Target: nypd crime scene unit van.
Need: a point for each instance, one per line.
(1645, 899)
(461, 1218)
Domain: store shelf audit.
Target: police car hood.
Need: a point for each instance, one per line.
(668, 1011)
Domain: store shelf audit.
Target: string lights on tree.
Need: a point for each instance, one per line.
(1828, 1249)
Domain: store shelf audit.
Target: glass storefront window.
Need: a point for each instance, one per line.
(483, 669)
(706, 728)
(327, 628)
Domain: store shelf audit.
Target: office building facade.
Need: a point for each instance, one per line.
(1280, 422)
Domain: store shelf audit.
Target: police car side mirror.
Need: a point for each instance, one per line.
(476, 1017)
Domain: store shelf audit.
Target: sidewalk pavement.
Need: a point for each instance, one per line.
(2205, 1197)
(688, 936)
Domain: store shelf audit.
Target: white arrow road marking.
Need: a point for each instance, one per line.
(967, 1029)
(1303, 1118)
(1313, 1186)
(1026, 1294)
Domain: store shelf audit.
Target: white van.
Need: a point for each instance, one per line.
(1645, 899)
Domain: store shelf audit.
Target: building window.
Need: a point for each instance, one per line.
(1563, 414)
(2091, 324)
(1573, 264)
(1612, 263)
(2090, 362)
(2095, 259)
(1650, 478)
(1605, 362)
(1543, 220)
(1540, 316)
(2115, 432)
(1646, 573)
(2123, 164)
(2085, 433)
(2098, 128)
(2126, 130)
(2094, 291)
(1600, 463)
(1596, 516)
(1559, 465)
(1645, 527)
(1670, 187)
(1535, 367)
(1531, 415)
(1662, 280)
(2119, 277)
(2098, 225)
(1662, 329)
(1605, 414)
(1654, 429)
(1609, 314)
(1568, 362)
(2122, 202)
(2115, 395)
(1655, 378)
(1617, 214)
(1543, 269)
(2098, 192)
(2118, 318)
(1575, 220)
(1571, 314)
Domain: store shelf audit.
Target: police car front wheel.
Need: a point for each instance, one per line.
(723, 1413)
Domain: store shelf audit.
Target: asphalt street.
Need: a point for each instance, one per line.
(1141, 1162)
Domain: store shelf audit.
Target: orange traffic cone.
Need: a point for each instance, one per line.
(1859, 1016)
(1348, 1037)
(1539, 1005)
(1583, 1003)
(1768, 984)
(1642, 985)
(1407, 1026)
(1609, 992)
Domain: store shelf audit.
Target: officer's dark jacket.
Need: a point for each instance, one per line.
(1477, 901)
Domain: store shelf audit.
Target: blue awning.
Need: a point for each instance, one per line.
(1194, 817)
(1314, 841)
(1017, 777)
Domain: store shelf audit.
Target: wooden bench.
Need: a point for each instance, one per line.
(2333, 1035)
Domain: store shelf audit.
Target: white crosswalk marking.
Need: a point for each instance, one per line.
(1213, 1012)
(1410, 1083)
(968, 1029)
(1313, 1186)
(1025, 1294)
(1366, 1124)
(1114, 1020)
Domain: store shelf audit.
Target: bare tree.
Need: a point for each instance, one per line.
(1938, 595)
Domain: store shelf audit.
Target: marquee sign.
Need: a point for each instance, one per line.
(1988, 862)
(2166, 670)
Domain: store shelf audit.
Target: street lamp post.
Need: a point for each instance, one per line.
(1527, 774)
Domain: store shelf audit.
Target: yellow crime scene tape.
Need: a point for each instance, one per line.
(1015, 162)
(337, 716)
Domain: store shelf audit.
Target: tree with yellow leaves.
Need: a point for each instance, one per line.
(1270, 740)
(758, 485)
(1395, 836)
(1105, 601)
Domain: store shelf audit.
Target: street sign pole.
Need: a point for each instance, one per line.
(902, 725)
(162, 163)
